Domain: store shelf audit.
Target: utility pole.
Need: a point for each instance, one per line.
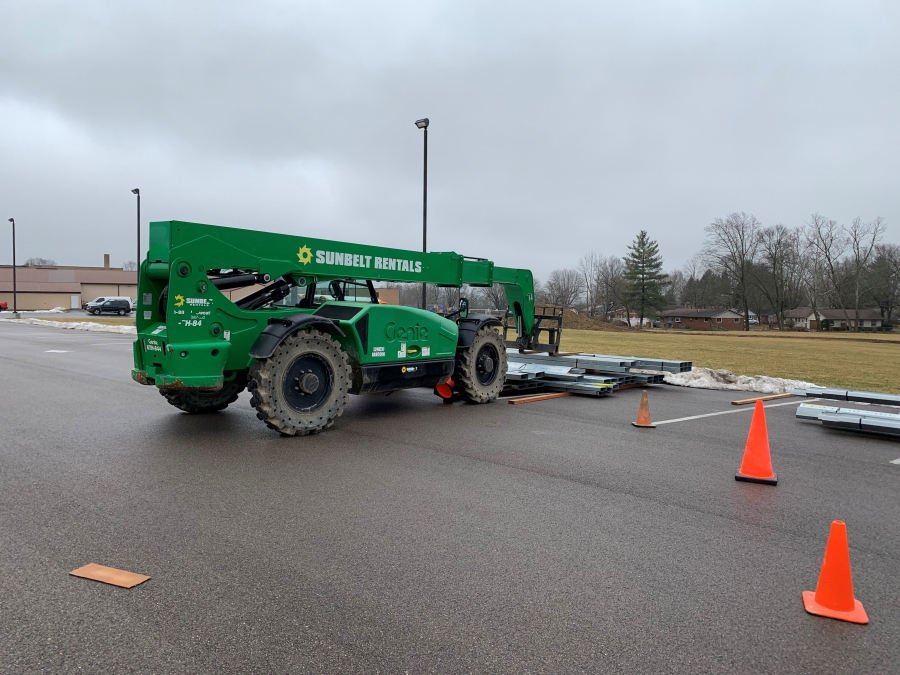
(15, 302)
(137, 192)
(423, 124)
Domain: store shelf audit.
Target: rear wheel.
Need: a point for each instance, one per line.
(481, 367)
(198, 402)
(303, 387)
(121, 312)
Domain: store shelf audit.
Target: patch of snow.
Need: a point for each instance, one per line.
(55, 310)
(708, 378)
(77, 325)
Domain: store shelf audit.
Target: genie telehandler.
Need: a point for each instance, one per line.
(310, 330)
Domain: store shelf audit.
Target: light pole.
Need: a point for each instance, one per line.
(137, 262)
(15, 303)
(423, 124)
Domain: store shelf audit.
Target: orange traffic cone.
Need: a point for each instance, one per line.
(445, 391)
(834, 593)
(643, 418)
(757, 464)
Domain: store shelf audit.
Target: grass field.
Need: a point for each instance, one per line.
(856, 361)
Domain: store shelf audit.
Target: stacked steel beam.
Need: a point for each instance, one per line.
(872, 397)
(850, 419)
(585, 374)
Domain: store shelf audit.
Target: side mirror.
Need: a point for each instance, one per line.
(463, 308)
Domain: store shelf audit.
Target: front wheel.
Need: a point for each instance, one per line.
(199, 402)
(481, 367)
(303, 387)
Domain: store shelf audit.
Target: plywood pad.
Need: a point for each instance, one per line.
(109, 575)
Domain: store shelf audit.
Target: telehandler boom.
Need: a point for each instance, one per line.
(311, 330)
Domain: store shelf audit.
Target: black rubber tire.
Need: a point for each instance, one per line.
(474, 384)
(95, 312)
(200, 402)
(121, 312)
(267, 382)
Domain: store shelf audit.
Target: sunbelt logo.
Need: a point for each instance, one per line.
(338, 258)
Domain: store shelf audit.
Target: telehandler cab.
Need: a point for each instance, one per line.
(313, 331)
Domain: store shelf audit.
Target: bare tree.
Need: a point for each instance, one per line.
(564, 287)
(776, 274)
(129, 265)
(675, 289)
(863, 239)
(34, 262)
(731, 247)
(588, 269)
(813, 278)
(611, 280)
(828, 243)
(884, 275)
(495, 297)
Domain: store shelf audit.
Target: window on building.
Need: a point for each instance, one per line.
(705, 319)
(677, 319)
(736, 320)
(718, 319)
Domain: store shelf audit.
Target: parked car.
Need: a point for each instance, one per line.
(3, 307)
(120, 307)
(96, 302)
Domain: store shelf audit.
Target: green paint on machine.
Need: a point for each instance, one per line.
(212, 296)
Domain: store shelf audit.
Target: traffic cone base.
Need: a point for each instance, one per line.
(756, 467)
(643, 418)
(855, 615)
(755, 479)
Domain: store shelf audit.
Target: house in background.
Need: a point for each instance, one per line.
(803, 318)
(702, 319)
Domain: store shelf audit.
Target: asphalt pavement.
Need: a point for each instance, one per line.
(418, 537)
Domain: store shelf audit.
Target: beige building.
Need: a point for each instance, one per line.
(49, 286)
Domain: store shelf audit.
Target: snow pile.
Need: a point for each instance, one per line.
(77, 325)
(55, 310)
(708, 378)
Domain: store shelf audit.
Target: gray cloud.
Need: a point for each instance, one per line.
(555, 128)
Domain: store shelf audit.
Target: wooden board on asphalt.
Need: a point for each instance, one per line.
(109, 575)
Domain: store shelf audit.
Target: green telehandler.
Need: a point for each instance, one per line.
(308, 328)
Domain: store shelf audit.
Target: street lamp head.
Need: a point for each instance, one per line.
(136, 191)
(422, 124)
(12, 220)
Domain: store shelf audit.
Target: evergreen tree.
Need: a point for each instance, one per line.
(644, 278)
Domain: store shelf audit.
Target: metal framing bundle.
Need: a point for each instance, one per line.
(873, 397)
(585, 374)
(849, 419)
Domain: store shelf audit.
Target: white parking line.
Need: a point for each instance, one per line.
(895, 461)
(58, 351)
(731, 412)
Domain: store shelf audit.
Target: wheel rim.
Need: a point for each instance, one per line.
(487, 365)
(308, 383)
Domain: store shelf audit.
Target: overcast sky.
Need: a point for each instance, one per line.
(556, 127)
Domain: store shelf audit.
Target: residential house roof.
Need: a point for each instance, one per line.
(693, 313)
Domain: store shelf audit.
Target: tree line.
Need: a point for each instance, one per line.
(742, 265)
